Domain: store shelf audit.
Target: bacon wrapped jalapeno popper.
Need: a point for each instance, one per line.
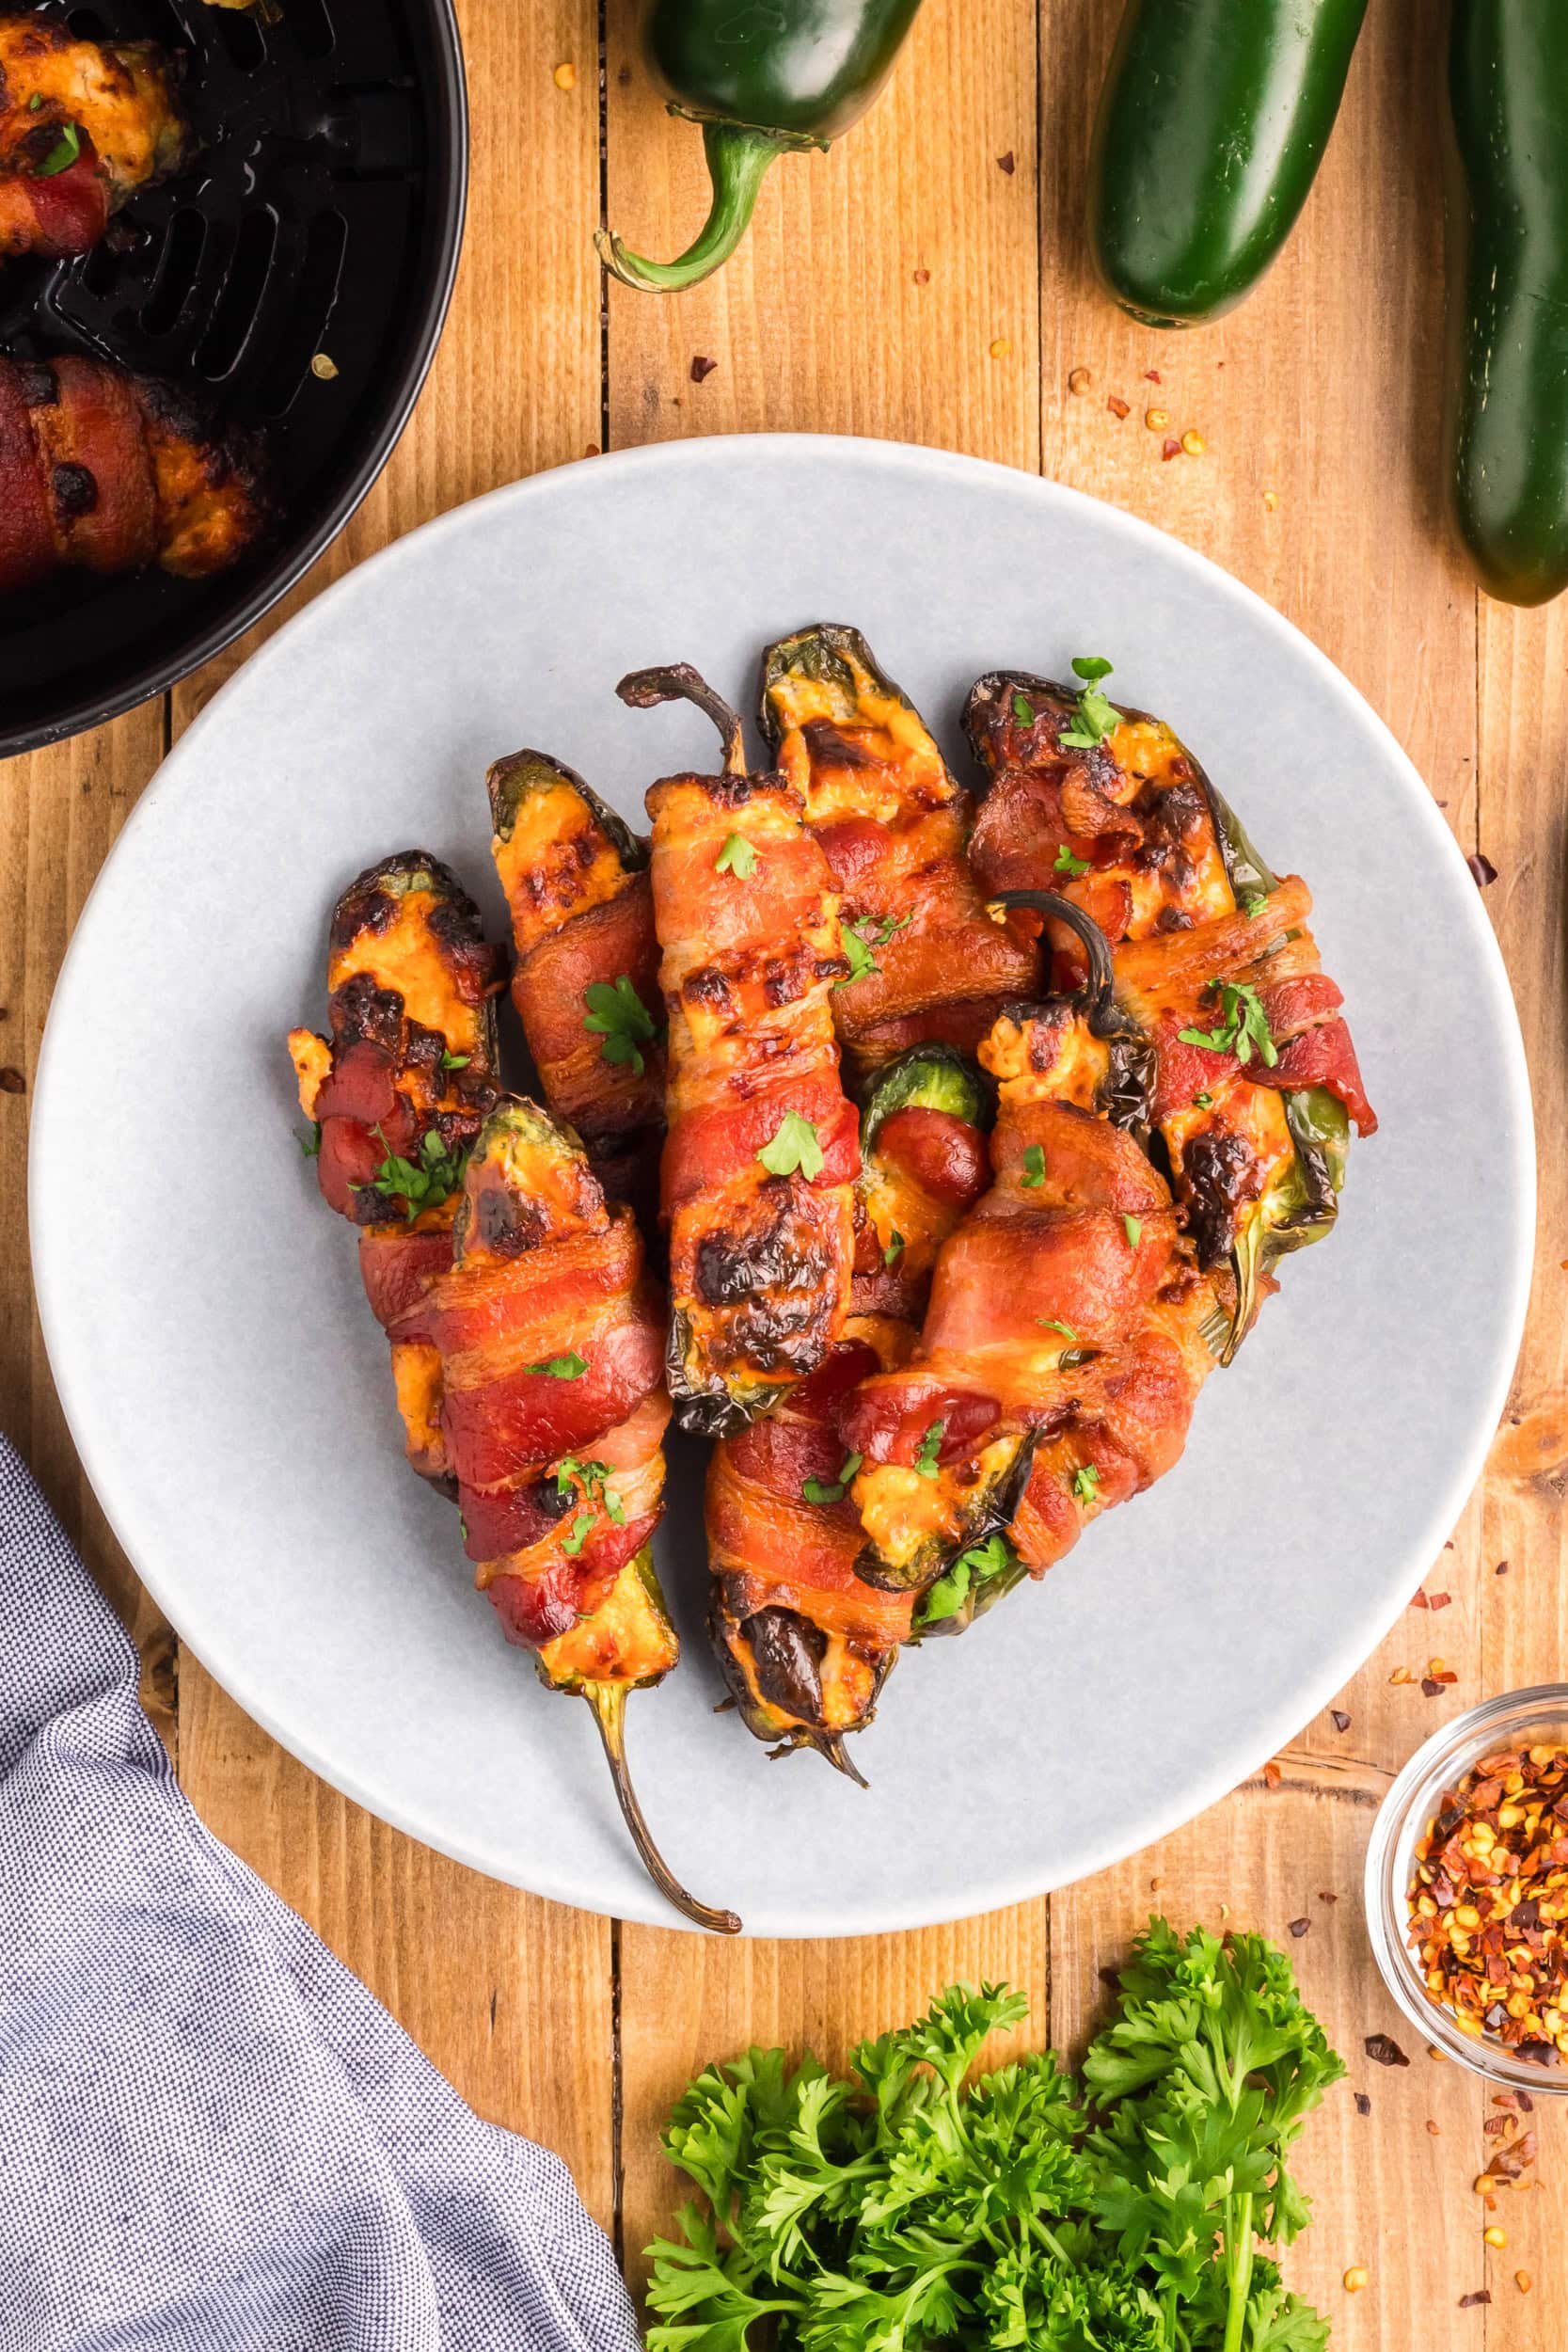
(1258, 1084)
(397, 1094)
(804, 1643)
(586, 980)
(549, 1335)
(83, 125)
(925, 963)
(761, 1158)
(1065, 1341)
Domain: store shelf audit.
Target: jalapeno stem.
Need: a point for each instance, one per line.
(609, 1702)
(738, 156)
(677, 681)
(1091, 938)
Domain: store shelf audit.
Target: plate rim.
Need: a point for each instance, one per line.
(908, 1911)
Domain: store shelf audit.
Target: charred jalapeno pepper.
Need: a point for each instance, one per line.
(764, 78)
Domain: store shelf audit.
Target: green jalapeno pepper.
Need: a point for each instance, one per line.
(762, 77)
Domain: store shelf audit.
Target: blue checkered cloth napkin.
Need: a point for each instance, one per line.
(212, 2138)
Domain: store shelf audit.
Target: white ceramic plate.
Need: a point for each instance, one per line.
(228, 1388)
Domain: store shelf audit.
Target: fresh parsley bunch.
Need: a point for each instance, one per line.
(900, 2211)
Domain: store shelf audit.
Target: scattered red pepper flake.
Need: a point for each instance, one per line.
(923, 278)
(1483, 869)
(1007, 163)
(701, 369)
(1152, 376)
(1436, 2129)
(1468, 2302)
(1430, 1687)
(1384, 2050)
(1172, 449)
(1299, 1927)
(1328, 1899)
(1363, 2105)
(13, 1081)
(1080, 380)
(1502, 1568)
(1118, 408)
(1339, 1718)
(1272, 1773)
(1439, 1601)
(1525, 2104)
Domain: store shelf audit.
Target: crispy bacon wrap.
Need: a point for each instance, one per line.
(397, 1095)
(761, 1154)
(549, 1337)
(83, 125)
(586, 979)
(926, 962)
(1067, 1336)
(1130, 829)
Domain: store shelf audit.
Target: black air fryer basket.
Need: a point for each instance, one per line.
(298, 276)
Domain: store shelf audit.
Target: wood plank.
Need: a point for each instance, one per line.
(825, 321)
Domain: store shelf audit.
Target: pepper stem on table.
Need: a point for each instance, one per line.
(738, 156)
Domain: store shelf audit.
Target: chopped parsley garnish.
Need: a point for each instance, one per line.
(62, 154)
(1024, 711)
(794, 1147)
(568, 1367)
(1046, 1324)
(1243, 1028)
(570, 1472)
(581, 1528)
(859, 940)
(930, 1446)
(1034, 1168)
(35, 101)
(736, 857)
(1095, 718)
(311, 1145)
(895, 1248)
(1066, 863)
(455, 1061)
(1134, 1227)
(1203, 1102)
(833, 1491)
(975, 1566)
(1254, 903)
(1084, 1480)
(617, 1015)
(420, 1186)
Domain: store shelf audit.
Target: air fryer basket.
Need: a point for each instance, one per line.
(297, 275)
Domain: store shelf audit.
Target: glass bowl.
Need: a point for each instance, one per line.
(1519, 1719)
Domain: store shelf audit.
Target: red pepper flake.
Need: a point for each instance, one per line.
(1172, 449)
(1502, 1568)
(1118, 408)
(1152, 376)
(1384, 2050)
(1428, 1687)
(1525, 2104)
(13, 1081)
(1272, 1773)
(1439, 1601)
(701, 369)
(1299, 1927)
(923, 278)
(1363, 2105)
(1504, 2099)
(1468, 2302)
(1419, 1600)
(1483, 869)
(1007, 163)
(1328, 1899)
(1339, 1718)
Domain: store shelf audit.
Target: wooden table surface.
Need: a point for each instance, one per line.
(926, 281)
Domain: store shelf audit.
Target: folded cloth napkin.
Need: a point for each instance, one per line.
(212, 2138)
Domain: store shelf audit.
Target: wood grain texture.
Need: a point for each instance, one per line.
(867, 300)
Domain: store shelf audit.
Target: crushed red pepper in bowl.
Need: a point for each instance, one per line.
(1468, 1889)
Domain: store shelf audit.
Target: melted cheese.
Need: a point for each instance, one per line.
(406, 959)
(312, 1056)
(556, 863)
(627, 1639)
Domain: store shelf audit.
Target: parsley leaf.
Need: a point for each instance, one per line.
(895, 1248)
(1024, 711)
(972, 1568)
(62, 154)
(617, 1013)
(859, 941)
(421, 1185)
(1047, 1325)
(1084, 1482)
(1034, 1168)
(1068, 864)
(794, 1147)
(1095, 718)
(311, 1145)
(736, 857)
(581, 1528)
(823, 1490)
(569, 1367)
(455, 1061)
(1134, 1227)
(1254, 903)
(930, 1446)
(1204, 1102)
(1243, 1028)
